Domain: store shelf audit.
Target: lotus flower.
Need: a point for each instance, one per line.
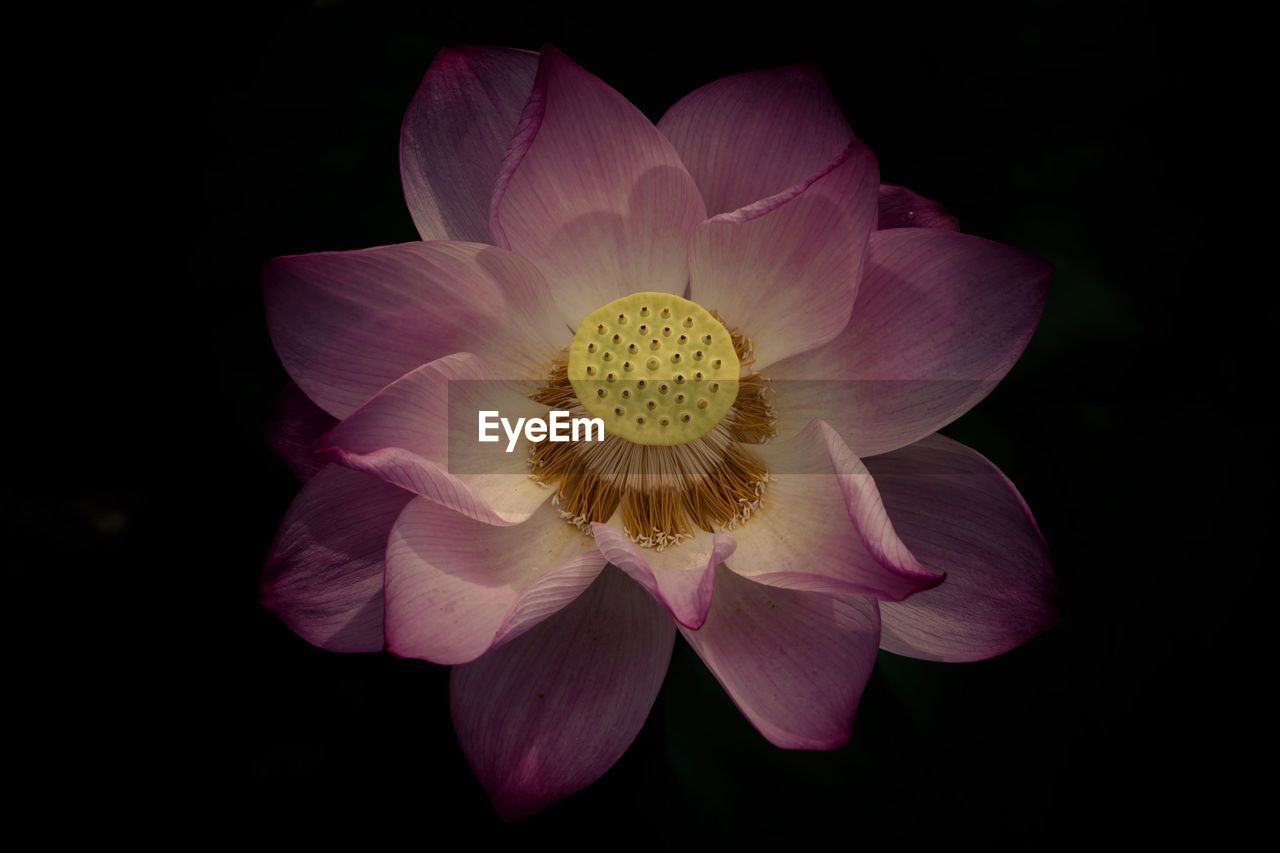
(806, 517)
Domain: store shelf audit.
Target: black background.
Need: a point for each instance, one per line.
(199, 145)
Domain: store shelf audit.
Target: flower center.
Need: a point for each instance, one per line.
(656, 368)
(663, 475)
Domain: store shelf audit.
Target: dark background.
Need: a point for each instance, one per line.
(203, 143)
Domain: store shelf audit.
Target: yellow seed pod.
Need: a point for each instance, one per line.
(655, 367)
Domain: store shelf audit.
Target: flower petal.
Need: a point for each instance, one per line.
(959, 513)
(420, 433)
(346, 324)
(939, 320)
(901, 208)
(822, 526)
(455, 134)
(295, 425)
(547, 714)
(785, 270)
(681, 576)
(323, 575)
(593, 193)
(795, 662)
(753, 135)
(457, 587)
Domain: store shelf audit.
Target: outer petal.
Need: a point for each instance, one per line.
(822, 526)
(457, 587)
(295, 425)
(794, 662)
(324, 574)
(753, 135)
(593, 193)
(547, 714)
(420, 433)
(901, 208)
(681, 576)
(940, 318)
(346, 324)
(958, 512)
(785, 270)
(455, 134)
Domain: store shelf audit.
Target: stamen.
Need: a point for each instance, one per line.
(665, 493)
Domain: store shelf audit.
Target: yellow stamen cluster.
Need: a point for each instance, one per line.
(664, 489)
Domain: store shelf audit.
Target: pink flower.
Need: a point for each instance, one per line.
(796, 527)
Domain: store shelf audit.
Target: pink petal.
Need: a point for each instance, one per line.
(822, 526)
(940, 318)
(547, 714)
(324, 573)
(457, 587)
(753, 135)
(593, 193)
(901, 208)
(785, 270)
(960, 514)
(680, 576)
(420, 433)
(455, 134)
(346, 324)
(295, 425)
(794, 662)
